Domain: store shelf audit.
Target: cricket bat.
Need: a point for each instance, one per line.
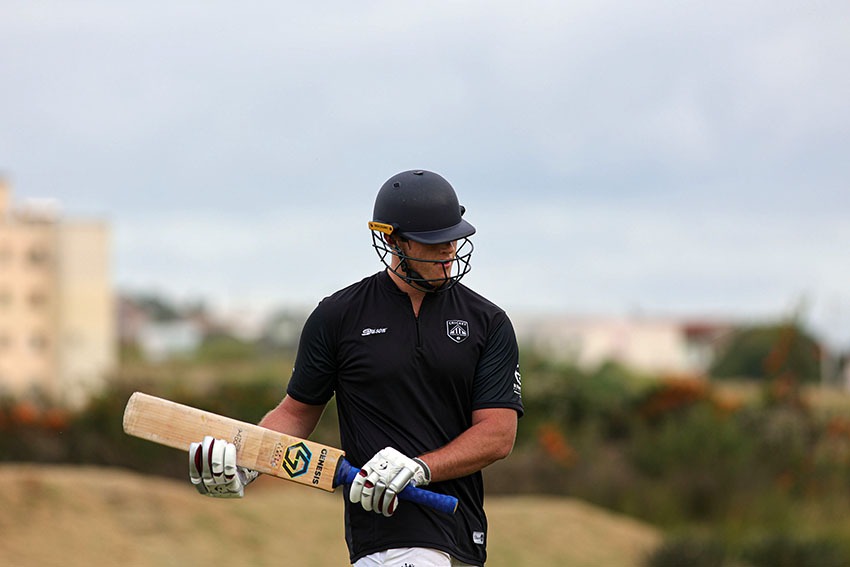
(258, 448)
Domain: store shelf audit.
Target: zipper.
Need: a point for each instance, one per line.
(417, 322)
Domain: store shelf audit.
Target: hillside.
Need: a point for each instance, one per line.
(75, 516)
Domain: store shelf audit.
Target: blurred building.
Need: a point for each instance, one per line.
(645, 344)
(57, 331)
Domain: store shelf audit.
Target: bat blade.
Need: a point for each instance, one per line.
(270, 452)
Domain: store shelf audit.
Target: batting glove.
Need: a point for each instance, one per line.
(378, 483)
(213, 470)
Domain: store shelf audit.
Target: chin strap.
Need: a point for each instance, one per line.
(414, 278)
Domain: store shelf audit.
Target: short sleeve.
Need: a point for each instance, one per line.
(497, 378)
(314, 376)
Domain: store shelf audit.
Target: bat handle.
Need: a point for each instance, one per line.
(441, 502)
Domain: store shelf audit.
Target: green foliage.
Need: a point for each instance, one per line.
(689, 552)
(709, 449)
(768, 352)
(566, 395)
(778, 550)
(225, 348)
(788, 551)
(678, 452)
(159, 309)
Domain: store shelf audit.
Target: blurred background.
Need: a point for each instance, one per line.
(660, 191)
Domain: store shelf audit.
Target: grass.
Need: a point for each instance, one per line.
(104, 516)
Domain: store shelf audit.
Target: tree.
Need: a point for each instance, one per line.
(783, 351)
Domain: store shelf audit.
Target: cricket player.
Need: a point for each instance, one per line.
(425, 374)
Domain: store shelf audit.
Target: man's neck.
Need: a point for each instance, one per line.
(416, 295)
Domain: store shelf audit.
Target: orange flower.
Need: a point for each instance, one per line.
(55, 419)
(555, 445)
(672, 394)
(25, 413)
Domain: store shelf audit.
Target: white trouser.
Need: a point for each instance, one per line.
(409, 557)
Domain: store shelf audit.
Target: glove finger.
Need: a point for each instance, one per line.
(368, 490)
(401, 480)
(366, 497)
(217, 461)
(356, 491)
(388, 504)
(206, 470)
(378, 496)
(195, 451)
(229, 461)
(195, 465)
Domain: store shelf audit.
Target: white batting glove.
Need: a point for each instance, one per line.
(378, 483)
(213, 470)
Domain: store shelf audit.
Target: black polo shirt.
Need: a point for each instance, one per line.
(410, 383)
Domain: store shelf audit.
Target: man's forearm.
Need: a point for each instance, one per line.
(490, 439)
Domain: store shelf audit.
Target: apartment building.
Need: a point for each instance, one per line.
(57, 330)
(645, 344)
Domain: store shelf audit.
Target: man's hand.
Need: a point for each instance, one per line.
(386, 474)
(213, 470)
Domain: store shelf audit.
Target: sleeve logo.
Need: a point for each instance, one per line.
(517, 382)
(457, 330)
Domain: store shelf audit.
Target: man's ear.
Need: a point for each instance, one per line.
(394, 241)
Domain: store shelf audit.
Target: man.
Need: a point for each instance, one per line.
(426, 378)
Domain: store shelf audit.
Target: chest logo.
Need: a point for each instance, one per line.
(367, 331)
(457, 330)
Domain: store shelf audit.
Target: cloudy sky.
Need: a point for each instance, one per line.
(664, 158)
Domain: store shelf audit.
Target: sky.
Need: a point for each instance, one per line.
(686, 159)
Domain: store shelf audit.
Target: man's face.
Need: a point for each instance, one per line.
(438, 259)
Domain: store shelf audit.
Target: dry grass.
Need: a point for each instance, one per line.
(75, 516)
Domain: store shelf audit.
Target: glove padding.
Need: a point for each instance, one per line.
(378, 483)
(213, 470)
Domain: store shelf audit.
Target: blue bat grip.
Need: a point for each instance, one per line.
(441, 502)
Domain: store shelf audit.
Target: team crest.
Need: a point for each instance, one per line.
(457, 330)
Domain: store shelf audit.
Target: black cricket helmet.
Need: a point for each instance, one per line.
(421, 206)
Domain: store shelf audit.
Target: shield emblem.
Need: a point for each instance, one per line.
(457, 330)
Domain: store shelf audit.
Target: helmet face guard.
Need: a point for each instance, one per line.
(420, 206)
(386, 250)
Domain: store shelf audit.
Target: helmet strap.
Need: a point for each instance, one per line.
(411, 276)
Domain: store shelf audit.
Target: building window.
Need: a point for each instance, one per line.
(38, 342)
(38, 299)
(38, 256)
(5, 299)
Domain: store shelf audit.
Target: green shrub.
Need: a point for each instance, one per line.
(702, 460)
(785, 551)
(223, 348)
(769, 351)
(573, 398)
(689, 552)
